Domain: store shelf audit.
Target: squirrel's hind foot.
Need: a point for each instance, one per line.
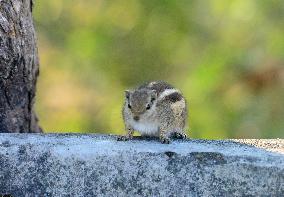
(179, 135)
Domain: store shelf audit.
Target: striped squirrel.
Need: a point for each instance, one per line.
(155, 109)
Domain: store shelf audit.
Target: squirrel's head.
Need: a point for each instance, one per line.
(140, 102)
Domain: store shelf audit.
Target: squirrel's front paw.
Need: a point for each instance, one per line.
(123, 138)
(165, 140)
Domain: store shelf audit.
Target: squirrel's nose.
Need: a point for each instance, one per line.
(136, 118)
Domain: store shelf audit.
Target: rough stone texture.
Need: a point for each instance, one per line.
(18, 67)
(97, 165)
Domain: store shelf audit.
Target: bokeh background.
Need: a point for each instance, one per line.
(227, 57)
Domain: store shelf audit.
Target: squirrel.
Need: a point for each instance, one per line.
(155, 109)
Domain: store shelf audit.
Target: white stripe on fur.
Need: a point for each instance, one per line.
(167, 92)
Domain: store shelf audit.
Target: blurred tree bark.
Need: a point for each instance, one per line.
(19, 67)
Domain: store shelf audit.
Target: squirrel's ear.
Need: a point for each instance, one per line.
(153, 95)
(127, 94)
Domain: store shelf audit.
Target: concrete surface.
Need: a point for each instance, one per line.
(98, 165)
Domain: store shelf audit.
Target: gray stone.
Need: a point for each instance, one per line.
(98, 165)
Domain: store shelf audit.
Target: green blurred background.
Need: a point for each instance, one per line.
(225, 56)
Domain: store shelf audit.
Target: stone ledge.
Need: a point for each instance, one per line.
(88, 165)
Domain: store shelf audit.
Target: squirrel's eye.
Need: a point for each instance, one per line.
(148, 107)
(129, 106)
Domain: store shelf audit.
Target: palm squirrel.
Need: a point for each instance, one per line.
(154, 109)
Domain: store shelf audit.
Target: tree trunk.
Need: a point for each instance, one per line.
(19, 67)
